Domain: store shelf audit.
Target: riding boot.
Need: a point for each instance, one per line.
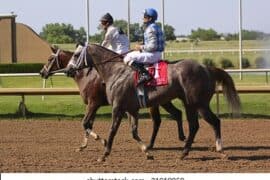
(144, 75)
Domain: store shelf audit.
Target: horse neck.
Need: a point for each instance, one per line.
(107, 70)
(64, 57)
(83, 77)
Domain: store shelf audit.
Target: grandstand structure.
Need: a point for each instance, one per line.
(19, 43)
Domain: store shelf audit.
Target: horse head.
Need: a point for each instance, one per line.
(57, 62)
(81, 59)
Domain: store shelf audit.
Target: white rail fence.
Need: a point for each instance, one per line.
(65, 91)
(170, 51)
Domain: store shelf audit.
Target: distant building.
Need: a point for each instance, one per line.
(182, 38)
(19, 43)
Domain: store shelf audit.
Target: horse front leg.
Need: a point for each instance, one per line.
(116, 121)
(87, 122)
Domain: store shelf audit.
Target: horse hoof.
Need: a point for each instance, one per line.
(149, 157)
(184, 154)
(182, 138)
(80, 149)
(101, 159)
(149, 147)
(103, 142)
(223, 155)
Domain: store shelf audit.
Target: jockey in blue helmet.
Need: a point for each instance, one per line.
(150, 12)
(150, 51)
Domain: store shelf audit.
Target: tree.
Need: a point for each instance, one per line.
(168, 32)
(248, 35)
(136, 31)
(204, 34)
(62, 33)
(252, 35)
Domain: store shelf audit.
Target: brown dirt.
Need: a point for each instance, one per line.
(49, 146)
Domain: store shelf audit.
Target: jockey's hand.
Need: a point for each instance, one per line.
(138, 47)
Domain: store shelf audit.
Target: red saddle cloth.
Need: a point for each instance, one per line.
(159, 73)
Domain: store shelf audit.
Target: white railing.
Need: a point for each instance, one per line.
(266, 71)
(265, 89)
(25, 74)
(169, 51)
(251, 71)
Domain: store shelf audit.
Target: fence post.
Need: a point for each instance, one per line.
(266, 77)
(43, 86)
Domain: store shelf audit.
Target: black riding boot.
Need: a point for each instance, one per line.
(144, 76)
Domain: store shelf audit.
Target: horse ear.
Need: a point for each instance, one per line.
(80, 44)
(54, 49)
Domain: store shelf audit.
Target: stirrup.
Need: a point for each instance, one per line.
(144, 79)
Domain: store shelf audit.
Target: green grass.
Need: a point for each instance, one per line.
(253, 105)
(70, 107)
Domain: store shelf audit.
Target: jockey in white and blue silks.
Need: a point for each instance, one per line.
(150, 51)
(114, 39)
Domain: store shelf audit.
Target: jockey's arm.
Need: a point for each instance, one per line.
(107, 40)
(151, 44)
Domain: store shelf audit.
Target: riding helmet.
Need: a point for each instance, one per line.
(150, 12)
(107, 17)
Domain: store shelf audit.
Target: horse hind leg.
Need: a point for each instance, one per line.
(177, 116)
(214, 121)
(134, 127)
(192, 118)
(155, 114)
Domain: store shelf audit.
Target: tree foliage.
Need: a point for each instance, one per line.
(136, 31)
(62, 33)
(204, 34)
(247, 35)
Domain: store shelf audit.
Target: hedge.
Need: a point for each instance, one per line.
(21, 68)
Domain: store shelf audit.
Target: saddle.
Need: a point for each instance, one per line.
(159, 73)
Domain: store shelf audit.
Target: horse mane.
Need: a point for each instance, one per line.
(173, 62)
(104, 48)
(67, 51)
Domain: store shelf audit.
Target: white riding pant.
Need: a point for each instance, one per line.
(142, 57)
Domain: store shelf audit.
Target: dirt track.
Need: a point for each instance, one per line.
(49, 146)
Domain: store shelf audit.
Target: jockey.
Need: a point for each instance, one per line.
(114, 39)
(150, 51)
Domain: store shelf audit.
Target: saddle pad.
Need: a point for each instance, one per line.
(158, 71)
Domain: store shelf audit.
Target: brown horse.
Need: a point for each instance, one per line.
(189, 81)
(92, 91)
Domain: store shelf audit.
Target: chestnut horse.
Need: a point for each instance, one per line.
(189, 81)
(92, 91)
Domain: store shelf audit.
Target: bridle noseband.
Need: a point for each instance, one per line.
(54, 60)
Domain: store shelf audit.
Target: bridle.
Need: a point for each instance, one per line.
(58, 64)
(116, 56)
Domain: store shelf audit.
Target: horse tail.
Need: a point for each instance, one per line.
(228, 87)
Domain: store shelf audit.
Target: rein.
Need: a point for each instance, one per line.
(83, 59)
(116, 56)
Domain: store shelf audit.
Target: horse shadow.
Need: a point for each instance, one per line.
(230, 157)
